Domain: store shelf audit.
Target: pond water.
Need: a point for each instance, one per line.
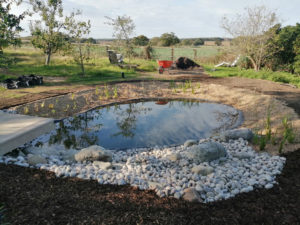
(144, 124)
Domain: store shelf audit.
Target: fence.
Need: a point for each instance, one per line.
(164, 53)
(159, 53)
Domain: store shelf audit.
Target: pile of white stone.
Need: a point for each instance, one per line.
(198, 171)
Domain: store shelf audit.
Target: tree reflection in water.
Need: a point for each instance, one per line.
(126, 119)
(76, 132)
(144, 124)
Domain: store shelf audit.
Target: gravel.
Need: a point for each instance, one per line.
(153, 169)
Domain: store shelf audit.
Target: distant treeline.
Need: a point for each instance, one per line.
(165, 40)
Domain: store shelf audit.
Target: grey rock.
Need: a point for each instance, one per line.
(36, 159)
(242, 155)
(206, 152)
(174, 157)
(203, 170)
(154, 185)
(117, 166)
(103, 165)
(191, 195)
(244, 133)
(69, 155)
(268, 186)
(93, 153)
(189, 143)
(177, 195)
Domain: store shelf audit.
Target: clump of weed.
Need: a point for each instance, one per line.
(268, 128)
(172, 84)
(74, 105)
(67, 108)
(36, 107)
(73, 96)
(115, 92)
(96, 91)
(288, 134)
(193, 90)
(26, 110)
(106, 92)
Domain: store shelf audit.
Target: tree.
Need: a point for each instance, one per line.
(155, 41)
(141, 40)
(77, 30)
(281, 47)
(186, 42)
(297, 53)
(218, 42)
(250, 33)
(198, 42)
(123, 27)
(49, 33)
(168, 39)
(9, 28)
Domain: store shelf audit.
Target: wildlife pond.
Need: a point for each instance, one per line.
(144, 124)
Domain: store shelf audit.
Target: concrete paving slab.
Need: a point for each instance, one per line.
(16, 130)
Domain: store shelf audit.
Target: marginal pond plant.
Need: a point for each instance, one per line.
(115, 92)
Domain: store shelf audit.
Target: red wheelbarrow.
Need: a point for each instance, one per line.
(163, 65)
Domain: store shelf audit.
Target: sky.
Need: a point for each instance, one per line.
(186, 18)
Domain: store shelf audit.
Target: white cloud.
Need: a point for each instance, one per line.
(188, 18)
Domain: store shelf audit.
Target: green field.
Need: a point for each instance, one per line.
(163, 53)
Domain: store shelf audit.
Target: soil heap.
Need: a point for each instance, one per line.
(185, 63)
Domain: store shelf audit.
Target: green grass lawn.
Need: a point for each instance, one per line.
(31, 61)
(281, 77)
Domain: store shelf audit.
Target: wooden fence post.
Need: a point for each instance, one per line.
(195, 54)
(172, 54)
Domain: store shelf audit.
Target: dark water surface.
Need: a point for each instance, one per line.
(145, 124)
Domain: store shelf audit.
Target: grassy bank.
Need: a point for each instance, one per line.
(281, 77)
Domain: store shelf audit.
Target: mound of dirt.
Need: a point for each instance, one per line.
(185, 63)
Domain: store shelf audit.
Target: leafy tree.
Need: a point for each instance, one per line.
(77, 30)
(141, 40)
(168, 39)
(198, 42)
(155, 41)
(281, 50)
(123, 27)
(49, 33)
(9, 28)
(250, 32)
(88, 40)
(186, 42)
(218, 42)
(297, 53)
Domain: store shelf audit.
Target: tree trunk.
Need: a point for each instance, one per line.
(48, 57)
(255, 66)
(81, 61)
(82, 69)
